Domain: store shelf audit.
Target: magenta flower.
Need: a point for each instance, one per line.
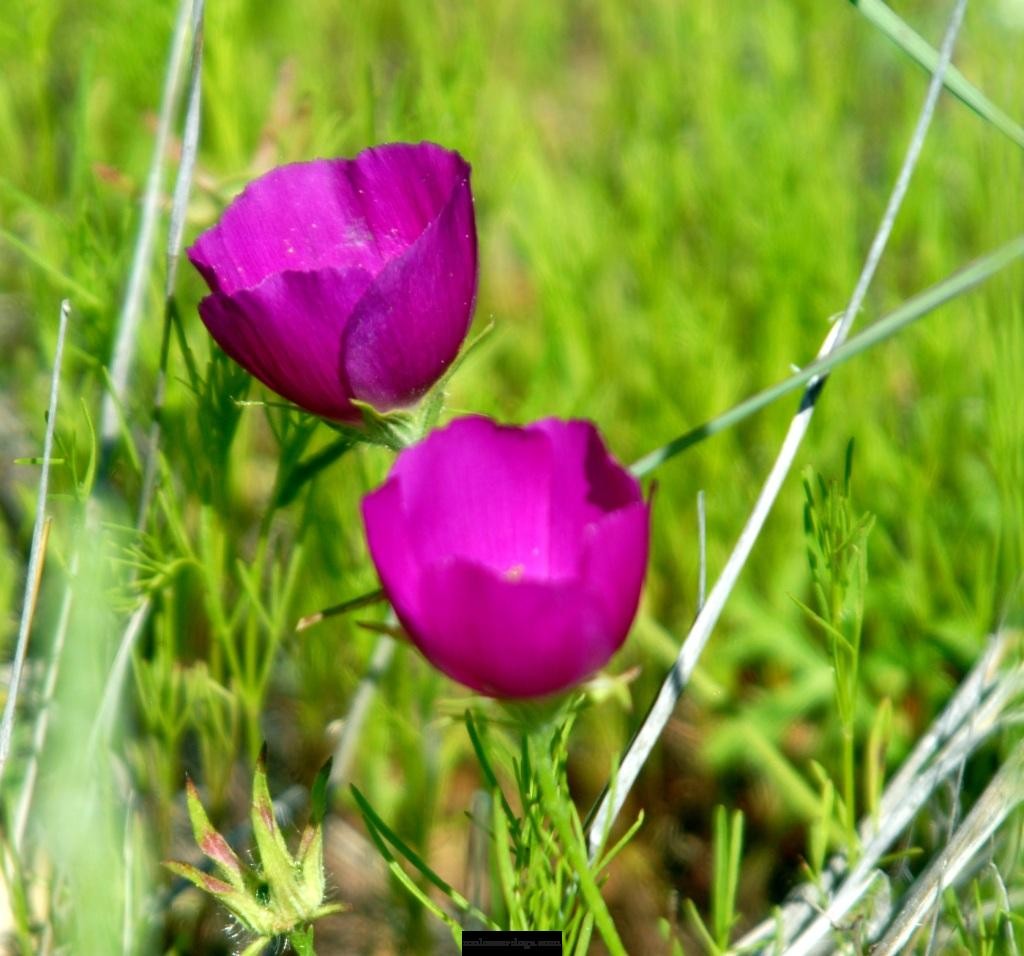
(514, 557)
(345, 279)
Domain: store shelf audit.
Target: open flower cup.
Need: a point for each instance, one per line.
(346, 279)
(514, 557)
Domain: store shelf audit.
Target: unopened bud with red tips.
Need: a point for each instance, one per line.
(284, 895)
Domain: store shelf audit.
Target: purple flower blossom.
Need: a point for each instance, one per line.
(345, 278)
(514, 557)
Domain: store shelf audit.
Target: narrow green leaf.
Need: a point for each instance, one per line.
(506, 875)
(587, 930)
(911, 310)
(733, 879)
(82, 295)
(318, 794)
(574, 846)
(621, 844)
(381, 831)
(719, 873)
(878, 736)
(818, 835)
(89, 477)
(697, 924)
(396, 868)
(488, 770)
(826, 626)
(926, 56)
(307, 470)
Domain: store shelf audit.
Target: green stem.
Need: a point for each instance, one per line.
(301, 941)
(573, 846)
(849, 791)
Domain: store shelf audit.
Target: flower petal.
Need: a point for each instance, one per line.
(287, 332)
(408, 327)
(507, 638)
(615, 562)
(586, 484)
(387, 535)
(296, 218)
(480, 491)
(346, 213)
(463, 535)
(403, 188)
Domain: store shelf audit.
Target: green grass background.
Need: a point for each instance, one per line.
(672, 200)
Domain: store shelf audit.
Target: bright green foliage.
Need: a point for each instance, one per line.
(837, 555)
(540, 851)
(728, 850)
(672, 197)
(284, 895)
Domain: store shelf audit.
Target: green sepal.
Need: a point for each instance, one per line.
(603, 687)
(246, 909)
(310, 855)
(329, 909)
(301, 940)
(278, 866)
(283, 896)
(212, 844)
(395, 430)
(311, 865)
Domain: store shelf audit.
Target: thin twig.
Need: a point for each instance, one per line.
(36, 554)
(978, 684)
(702, 547)
(42, 723)
(985, 688)
(122, 355)
(610, 803)
(906, 170)
(352, 604)
(126, 337)
(1003, 900)
(182, 188)
(976, 712)
(999, 799)
(189, 150)
(921, 52)
(951, 825)
(175, 230)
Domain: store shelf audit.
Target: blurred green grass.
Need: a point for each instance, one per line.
(672, 199)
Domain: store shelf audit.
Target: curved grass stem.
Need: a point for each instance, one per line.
(648, 733)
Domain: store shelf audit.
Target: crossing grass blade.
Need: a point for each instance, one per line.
(926, 56)
(916, 308)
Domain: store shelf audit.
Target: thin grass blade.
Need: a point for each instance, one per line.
(36, 553)
(888, 22)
